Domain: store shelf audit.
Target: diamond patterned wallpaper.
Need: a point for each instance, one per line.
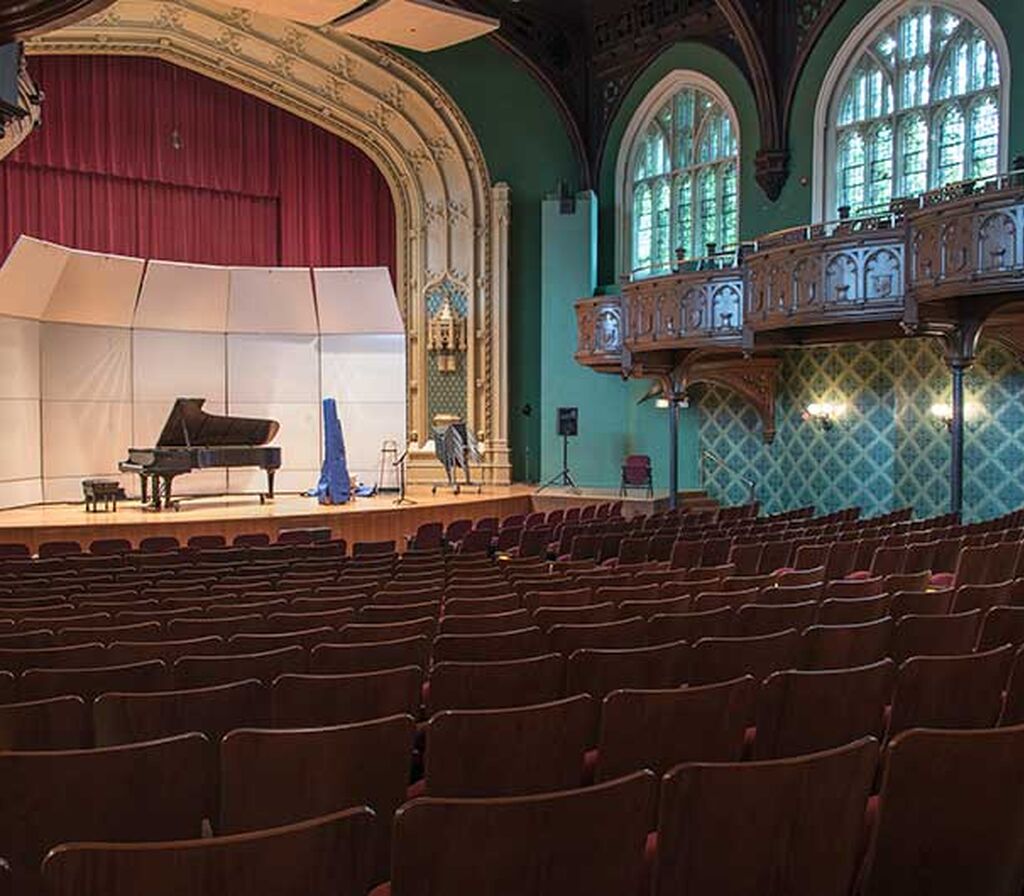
(887, 451)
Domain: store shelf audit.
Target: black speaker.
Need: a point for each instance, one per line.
(568, 421)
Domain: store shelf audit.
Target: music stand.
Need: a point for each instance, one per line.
(399, 466)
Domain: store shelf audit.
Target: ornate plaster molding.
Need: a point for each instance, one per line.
(403, 120)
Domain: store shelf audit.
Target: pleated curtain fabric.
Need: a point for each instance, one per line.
(140, 157)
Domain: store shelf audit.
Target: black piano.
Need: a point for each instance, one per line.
(194, 440)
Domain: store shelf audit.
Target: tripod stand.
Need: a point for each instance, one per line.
(563, 478)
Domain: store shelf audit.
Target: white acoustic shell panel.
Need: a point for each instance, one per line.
(95, 289)
(366, 374)
(86, 405)
(21, 440)
(357, 300)
(29, 275)
(277, 377)
(271, 300)
(186, 297)
(167, 366)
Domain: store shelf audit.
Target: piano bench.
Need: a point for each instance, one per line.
(107, 491)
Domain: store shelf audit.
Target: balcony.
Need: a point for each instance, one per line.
(848, 279)
(851, 270)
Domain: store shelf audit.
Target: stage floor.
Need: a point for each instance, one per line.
(362, 519)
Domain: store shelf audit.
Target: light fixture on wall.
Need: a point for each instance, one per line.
(663, 403)
(824, 413)
(942, 414)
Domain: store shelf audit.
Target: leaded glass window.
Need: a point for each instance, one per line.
(918, 110)
(685, 183)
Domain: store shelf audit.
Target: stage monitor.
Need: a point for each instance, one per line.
(568, 421)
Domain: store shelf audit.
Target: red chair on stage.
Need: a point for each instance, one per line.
(636, 473)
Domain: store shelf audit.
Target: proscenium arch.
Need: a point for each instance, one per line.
(849, 54)
(661, 93)
(451, 223)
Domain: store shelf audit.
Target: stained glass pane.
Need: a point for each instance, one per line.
(685, 110)
(707, 198)
(851, 172)
(880, 174)
(984, 139)
(914, 178)
(730, 207)
(662, 236)
(950, 150)
(643, 223)
(684, 213)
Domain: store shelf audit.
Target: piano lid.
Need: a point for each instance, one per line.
(190, 426)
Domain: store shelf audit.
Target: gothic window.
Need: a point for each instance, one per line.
(683, 182)
(919, 108)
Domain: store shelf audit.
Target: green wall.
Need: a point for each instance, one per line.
(527, 146)
(568, 271)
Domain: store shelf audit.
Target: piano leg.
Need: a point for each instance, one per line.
(144, 479)
(270, 486)
(168, 503)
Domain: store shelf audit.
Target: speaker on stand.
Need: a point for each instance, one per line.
(568, 428)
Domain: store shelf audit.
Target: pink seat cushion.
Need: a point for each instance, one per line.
(418, 789)
(942, 580)
(381, 890)
(860, 574)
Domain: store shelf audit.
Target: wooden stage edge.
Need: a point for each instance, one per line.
(363, 519)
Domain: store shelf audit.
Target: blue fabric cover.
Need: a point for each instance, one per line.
(334, 486)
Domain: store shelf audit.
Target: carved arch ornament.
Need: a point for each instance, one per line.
(452, 223)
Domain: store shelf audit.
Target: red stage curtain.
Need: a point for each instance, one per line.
(140, 157)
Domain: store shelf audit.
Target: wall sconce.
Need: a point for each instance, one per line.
(824, 413)
(663, 404)
(942, 414)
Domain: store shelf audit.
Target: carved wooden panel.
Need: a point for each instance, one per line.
(599, 331)
(684, 309)
(968, 245)
(824, 277)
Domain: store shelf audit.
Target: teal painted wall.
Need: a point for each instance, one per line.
(648, 433)
(527, 146)
(569, 271)
(887, 451)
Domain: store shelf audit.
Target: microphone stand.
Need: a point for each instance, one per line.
(399, 465)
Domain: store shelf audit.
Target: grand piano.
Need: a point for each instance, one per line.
(194, 440)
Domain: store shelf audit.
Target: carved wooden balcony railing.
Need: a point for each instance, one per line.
(599, 332)
(968, 240)
(684, 310)
(816, 275)
(961, 242)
